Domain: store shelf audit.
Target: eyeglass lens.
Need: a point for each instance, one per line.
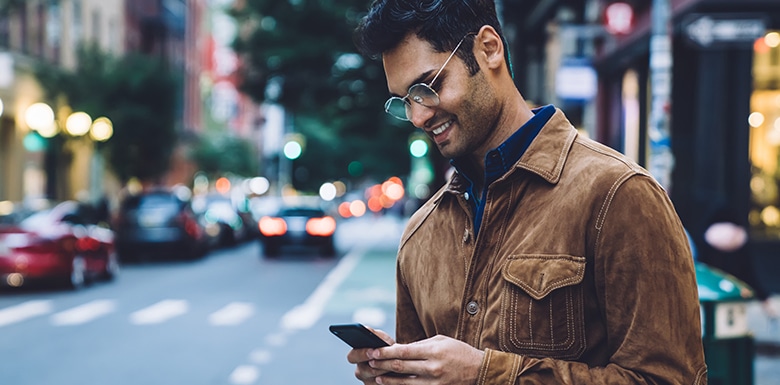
(419, 93)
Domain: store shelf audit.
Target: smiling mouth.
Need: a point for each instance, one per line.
(442, 128)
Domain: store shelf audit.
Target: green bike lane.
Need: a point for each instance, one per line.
(367, 294)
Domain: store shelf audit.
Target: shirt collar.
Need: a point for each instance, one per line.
(501, 159)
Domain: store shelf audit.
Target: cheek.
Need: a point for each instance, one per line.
(479, 102)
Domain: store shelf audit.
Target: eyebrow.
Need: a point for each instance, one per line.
(419, 79)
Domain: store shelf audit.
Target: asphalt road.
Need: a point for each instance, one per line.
(232, 318)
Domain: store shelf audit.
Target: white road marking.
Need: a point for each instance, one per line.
(159, 312)
(24, 311)
(232, 314)
(84, 313)
(244, 375)
(371, 316)
(260, 356)
(304, 316)
(276, 339)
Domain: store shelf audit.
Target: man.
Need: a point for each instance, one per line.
(547, 258)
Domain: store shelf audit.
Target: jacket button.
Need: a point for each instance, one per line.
(466, 196)
(472, 308)
(466, 236)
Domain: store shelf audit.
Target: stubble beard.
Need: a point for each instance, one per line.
(475, 122)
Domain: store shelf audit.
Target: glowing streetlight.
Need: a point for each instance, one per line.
(102, 129)
(39, 117)
(418, 148)
(78, 123)
(292, 150)
(328, 191)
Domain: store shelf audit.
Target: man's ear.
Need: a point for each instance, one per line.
(489, 48)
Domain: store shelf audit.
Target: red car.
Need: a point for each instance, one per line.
(64, 244)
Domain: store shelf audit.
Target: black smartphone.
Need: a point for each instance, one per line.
(357, 336)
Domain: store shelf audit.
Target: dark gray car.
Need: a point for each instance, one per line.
(158, 224)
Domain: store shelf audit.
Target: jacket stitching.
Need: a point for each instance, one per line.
(515, 371)
(701, 375)
(552, 285)
(554, 175)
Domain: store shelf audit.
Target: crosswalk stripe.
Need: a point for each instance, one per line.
(232, 314)
(244, 375)
(159, 312)
(84, 313)
(24, 311)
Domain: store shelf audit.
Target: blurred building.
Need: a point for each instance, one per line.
(592, 58)
(194, 38)
(44, 30)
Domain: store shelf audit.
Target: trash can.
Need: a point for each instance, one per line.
(728, 344)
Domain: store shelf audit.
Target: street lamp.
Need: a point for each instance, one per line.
(102, 129)
(40, 117)
(78, 123)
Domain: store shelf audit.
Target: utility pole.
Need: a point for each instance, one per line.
(661, 162)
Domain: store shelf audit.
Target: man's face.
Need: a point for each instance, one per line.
(466, 115)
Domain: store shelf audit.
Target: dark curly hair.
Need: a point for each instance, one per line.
(442, 23)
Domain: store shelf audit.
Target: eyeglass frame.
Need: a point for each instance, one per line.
(406, 99)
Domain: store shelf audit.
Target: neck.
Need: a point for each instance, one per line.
(515, 113)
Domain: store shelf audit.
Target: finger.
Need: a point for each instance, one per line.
(413, 351)
(408, 367)
(363, 372)
(384, 336)
(399, 379)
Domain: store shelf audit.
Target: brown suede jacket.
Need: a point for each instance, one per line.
(581, 272)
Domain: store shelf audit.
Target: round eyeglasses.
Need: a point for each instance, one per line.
(420, 93)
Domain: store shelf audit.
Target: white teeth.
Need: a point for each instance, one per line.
(442, 128)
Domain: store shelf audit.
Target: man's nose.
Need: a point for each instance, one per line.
(419, 114)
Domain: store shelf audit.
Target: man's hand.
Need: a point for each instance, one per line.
(364, 372)
(438, 360)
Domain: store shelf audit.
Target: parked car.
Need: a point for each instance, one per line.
(67, 244)
(217, 209)
(161, 224)
(298, 227)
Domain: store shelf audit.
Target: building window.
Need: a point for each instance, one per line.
(764, 123)
(96, 27)
(76, 23)
(53, 31)
(5, 29)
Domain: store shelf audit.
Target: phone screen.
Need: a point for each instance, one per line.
(357, 336)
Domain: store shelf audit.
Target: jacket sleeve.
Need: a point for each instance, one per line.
(646, 286)
(408, 325)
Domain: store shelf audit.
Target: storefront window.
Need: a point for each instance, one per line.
(764, 121)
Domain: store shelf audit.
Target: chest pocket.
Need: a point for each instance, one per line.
(542, 309)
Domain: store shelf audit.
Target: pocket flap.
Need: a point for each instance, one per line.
(538, 275)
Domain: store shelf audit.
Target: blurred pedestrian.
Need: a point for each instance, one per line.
(547, 258)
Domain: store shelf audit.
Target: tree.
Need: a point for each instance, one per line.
(300, 54)
(218, 155)
(138, 94)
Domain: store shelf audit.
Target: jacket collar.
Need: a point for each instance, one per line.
(545, 157)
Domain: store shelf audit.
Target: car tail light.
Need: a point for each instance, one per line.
(321, 227)
(272, 227)
(87, 244)
(68, 245)
(191, 226)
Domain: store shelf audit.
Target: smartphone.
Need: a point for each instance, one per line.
(357, 336)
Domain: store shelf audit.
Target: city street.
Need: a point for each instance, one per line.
(232, 318)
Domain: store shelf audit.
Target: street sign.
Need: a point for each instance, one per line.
(710, 30)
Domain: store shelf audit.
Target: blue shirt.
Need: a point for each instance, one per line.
(501, 159)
